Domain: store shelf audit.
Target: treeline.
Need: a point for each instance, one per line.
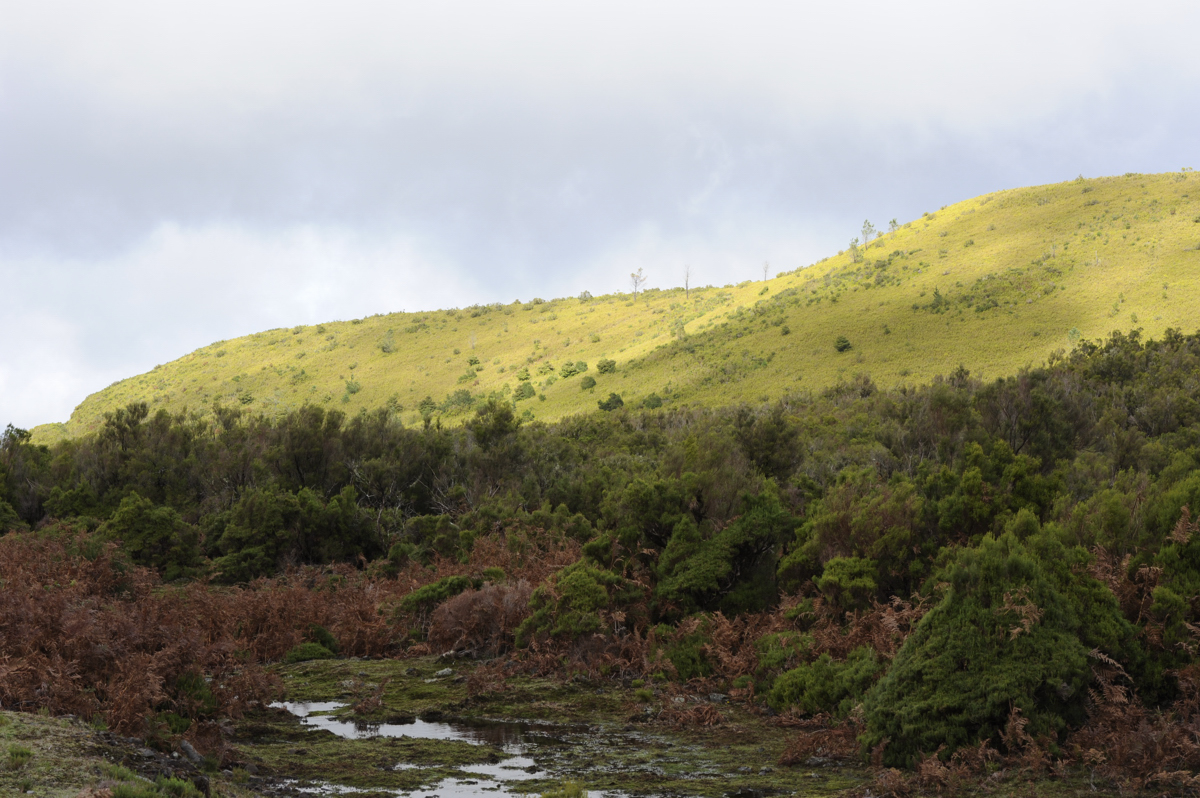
(1042, 518)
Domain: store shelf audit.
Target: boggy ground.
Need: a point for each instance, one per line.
(65, 757)
(610, 736)
(607, 735)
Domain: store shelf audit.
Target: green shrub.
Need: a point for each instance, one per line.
(686, 653)
(849, 582)
(177, 788)
(194, 696)
(652, 402)
(613, 402)
(319, 634)
(571, 606)
(606, 366)
(428, 597)
(842, 343)
(154, 536)
(524, 391)
(1012, 633)
(781, 650)
(18, 756)
(825, 685)
(586, 384)
(308, 651)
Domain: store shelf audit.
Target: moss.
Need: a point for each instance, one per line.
(308, 651)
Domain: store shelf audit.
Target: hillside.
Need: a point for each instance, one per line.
(993, 283)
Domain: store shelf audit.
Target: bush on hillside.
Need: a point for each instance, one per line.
(613, 402)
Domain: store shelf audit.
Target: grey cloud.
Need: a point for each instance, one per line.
(180, 176)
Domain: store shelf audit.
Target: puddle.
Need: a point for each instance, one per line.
(512, 738)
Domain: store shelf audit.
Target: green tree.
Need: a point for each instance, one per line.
(154, 536)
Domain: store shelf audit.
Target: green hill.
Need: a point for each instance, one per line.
(994, 283)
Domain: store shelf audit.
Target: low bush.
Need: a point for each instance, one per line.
(308, 651)
(826, 685)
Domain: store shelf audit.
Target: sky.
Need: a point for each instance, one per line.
(176, 174)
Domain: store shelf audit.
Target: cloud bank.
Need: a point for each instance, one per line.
(173, 176)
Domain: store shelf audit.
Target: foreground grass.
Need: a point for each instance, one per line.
(994, 283)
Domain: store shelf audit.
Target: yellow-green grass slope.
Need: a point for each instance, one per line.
(994, 283)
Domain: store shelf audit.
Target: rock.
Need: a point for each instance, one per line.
(679, 699)
(145, 753)
(718, 698)
(444, 672)
(191, 753)
(252, 769)
(363, 674)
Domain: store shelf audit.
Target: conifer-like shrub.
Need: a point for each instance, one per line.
(1013, 633)
(826, 685)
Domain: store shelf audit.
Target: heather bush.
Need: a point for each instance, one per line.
(1013, 632)
(825, 685)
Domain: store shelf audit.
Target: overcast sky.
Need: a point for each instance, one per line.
(173, 174)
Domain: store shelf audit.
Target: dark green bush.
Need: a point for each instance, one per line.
(652, 402)
(319, 634)
(155, 536)
(571, 606)
(308, 651)
(1012, 633)
(686, 653)
(433, 594)
(842, 343)
(606, 366)
(587, 383)
(826, 685)
(613, 402)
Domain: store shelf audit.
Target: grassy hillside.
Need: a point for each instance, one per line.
(993, 283)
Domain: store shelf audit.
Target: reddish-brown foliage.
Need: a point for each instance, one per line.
(480, 621)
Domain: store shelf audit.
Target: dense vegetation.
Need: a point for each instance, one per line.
(965, 563)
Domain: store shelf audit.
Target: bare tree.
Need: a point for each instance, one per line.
(687, 279)
(893, 225)
(765, 267)
(638, 279)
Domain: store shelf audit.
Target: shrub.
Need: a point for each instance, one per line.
(319, 634)
(686, 653)
(483, 621)
(849, 582)
(652, 401)
(825, 685)
(842, 343)
(308, 651)
(524, 391)
(433, 594)
(571, 604)
(1012, 634)
(18, 756)
(586, 384)
(606, 366)
(154, 536)
(613, 402)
